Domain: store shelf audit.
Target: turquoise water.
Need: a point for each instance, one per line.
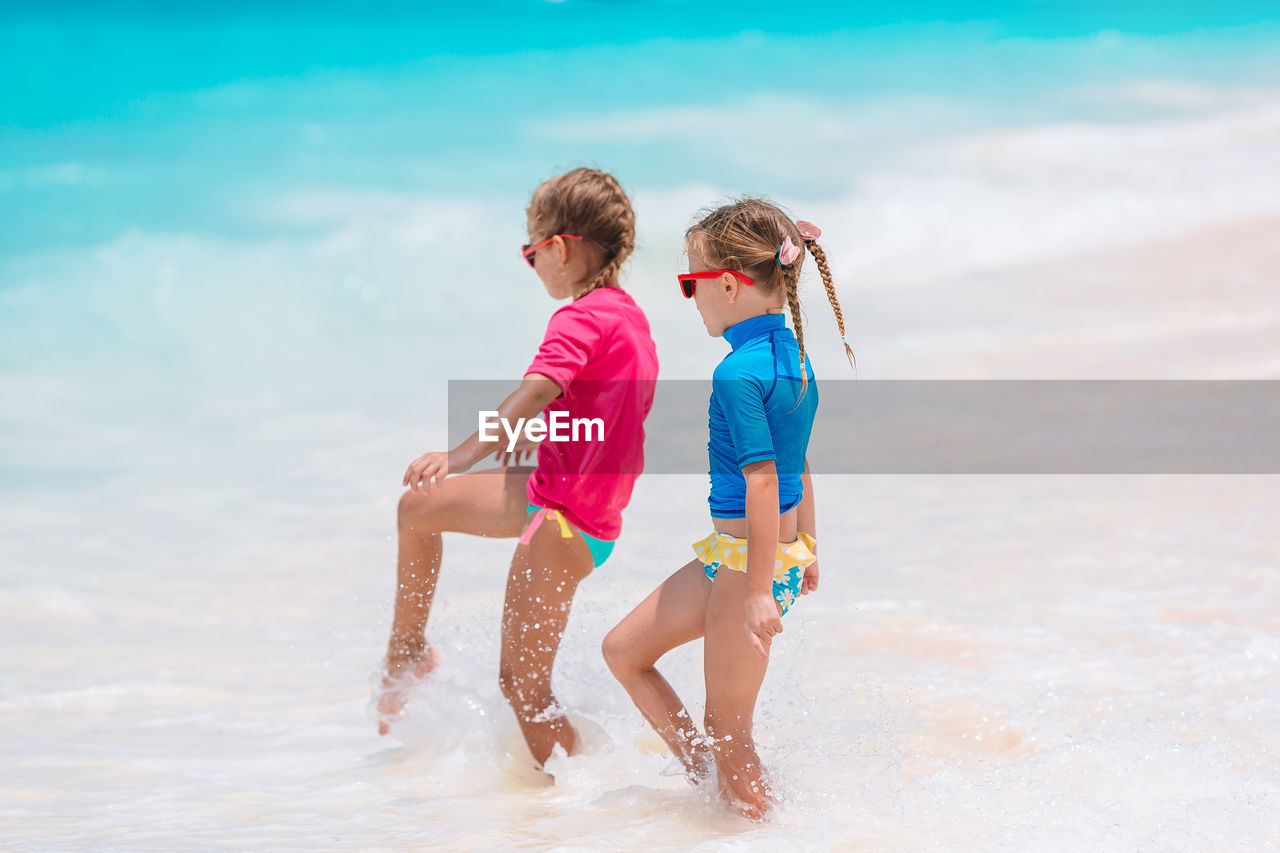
(129, 118)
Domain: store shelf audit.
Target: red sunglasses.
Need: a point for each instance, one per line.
(528, 251)
(689, 279)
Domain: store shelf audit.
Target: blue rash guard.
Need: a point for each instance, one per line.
(754, 416)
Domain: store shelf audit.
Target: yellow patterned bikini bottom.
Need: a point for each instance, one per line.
(789, 562)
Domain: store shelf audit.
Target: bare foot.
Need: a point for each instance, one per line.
(756, 808)
(399, 681)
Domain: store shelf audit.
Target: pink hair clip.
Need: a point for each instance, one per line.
(808, 231)
(787, 252)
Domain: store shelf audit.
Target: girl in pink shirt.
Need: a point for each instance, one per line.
(597, 362)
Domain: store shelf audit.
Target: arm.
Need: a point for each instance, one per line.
(807, 522)
(806, 512)
(761, 611)
(533, 395)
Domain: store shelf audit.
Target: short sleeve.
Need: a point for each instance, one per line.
(742, 401)
(571, 339)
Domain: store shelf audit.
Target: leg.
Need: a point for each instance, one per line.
(734, 673)
(490, 503)
(544, 576)
(673, 614)
(482, 504)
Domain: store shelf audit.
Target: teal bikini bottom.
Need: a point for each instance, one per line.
(600, 549)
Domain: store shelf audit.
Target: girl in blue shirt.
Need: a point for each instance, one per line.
(744, 268)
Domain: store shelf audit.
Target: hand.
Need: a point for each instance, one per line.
(515, 457)
(524, 449)
(810, 581)
(763, 622)
(431, 466)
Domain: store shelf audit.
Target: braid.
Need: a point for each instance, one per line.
(606, 272)
(625, 219)
(624, 228)
(791, 285)
(820, 257)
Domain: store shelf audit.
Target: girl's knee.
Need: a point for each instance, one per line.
(414, 512)
(616, 651)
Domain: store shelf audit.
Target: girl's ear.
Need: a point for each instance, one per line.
(730, 285)
(562, 245)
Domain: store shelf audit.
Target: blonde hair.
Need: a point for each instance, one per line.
(746, 236)
(592, 205)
